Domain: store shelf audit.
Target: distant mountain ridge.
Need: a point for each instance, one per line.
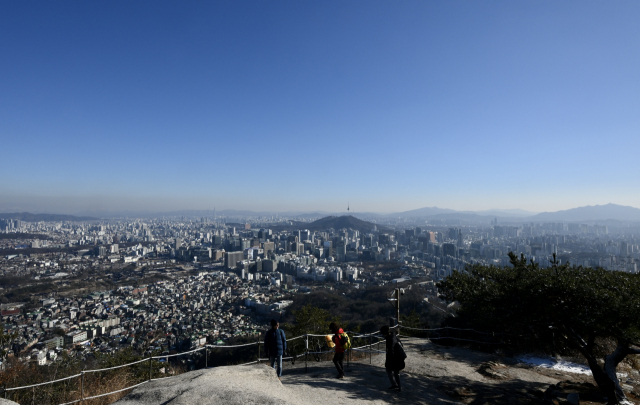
(28, 217)
(425, 212)
(580, 214)
(433, 211)
(591, 213)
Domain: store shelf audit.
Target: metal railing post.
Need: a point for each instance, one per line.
(258, 343)
(150, 365)
(82, 388)
(306, 351)
(206, 356)
(370, 347)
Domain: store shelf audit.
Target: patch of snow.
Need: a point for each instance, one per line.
(567, 366)
(553, 364)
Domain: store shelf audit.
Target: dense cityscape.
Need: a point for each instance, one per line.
(174, 284)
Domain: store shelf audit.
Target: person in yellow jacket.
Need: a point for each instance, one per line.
(341, 341)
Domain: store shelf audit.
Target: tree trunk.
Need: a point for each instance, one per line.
(610, 364)
(603, 381)
(606, 377)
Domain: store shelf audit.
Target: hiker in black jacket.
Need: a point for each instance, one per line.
(275, 344)
(395, 358)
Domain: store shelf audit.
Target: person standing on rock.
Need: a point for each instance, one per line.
(341, 341)
(275, 344)
(395, 357)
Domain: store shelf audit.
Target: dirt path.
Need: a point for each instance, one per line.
(432, 375)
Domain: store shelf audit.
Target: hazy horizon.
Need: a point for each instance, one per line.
(79, 210)
(292, 106)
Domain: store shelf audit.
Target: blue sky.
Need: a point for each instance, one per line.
(307, 105)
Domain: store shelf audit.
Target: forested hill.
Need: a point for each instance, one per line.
(322, 224)
(28, 217)
(345, 221)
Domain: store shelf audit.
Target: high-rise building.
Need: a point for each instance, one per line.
(231, 259)
(624, 249)
(453, 233)
(306, 235)
(449, 249)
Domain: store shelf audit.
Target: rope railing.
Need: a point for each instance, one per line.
(116, 367)
(438, 336)
(233, 346)
(367, 348)
(115, 392)
(176, 354)
(44, 383)
(452, 328)
(451, 338)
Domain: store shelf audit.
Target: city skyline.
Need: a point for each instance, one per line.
(585, 214)
(305, 107)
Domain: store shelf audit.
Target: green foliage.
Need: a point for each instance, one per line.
(310, 319)
(239, 355)
(412, 320)
(369, 309)
(526, 299)
(580, 305)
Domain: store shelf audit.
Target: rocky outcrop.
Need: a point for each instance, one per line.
(222, 385)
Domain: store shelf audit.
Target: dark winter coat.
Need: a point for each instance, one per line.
(275, 342)
(395, 353)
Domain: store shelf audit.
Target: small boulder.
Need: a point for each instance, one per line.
(494, 370)
(573, 399)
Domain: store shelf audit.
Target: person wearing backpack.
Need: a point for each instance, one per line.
(395, 357)
(342, 342)
(275, 344)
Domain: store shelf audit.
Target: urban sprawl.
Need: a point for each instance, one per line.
(214, 279)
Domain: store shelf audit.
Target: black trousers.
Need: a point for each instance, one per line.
(394, 377)
(338, 358)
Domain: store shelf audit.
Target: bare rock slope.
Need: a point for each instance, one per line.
(222, 385)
